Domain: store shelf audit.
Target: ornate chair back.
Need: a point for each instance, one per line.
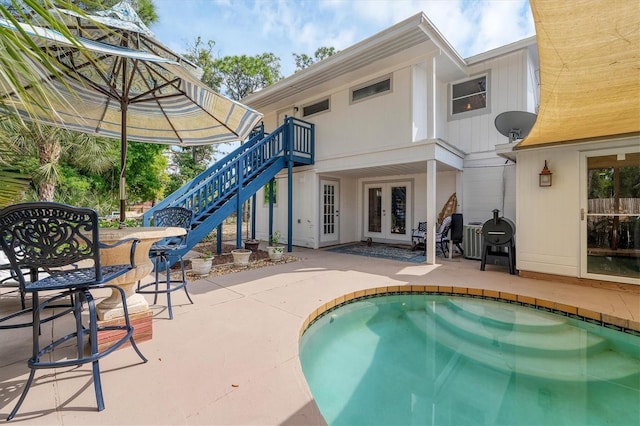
(49, 236)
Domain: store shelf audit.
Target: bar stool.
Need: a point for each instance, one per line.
(56, 238)
(167, 251)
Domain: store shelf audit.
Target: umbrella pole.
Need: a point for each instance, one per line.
(123, 164)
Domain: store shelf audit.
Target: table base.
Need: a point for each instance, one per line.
(142, 323)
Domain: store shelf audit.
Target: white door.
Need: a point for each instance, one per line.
(610, 243)
(330, 214)
(387, 207)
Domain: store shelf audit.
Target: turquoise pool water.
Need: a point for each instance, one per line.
(440, 360)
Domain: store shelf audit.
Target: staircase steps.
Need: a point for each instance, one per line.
(219, 191)
(528, 343)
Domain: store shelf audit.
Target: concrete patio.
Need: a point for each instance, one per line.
(231, 358)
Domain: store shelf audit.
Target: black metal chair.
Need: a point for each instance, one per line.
(457, 231)
(165, 252)
(419, 237)
(20, 318)
(442, 236)
(57, 238)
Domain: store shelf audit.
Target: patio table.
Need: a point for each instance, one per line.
(111, 307)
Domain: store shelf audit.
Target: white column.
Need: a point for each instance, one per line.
(431, 212)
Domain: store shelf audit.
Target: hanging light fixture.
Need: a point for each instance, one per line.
(545, 176)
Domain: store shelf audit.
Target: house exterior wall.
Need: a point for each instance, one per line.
(548, 219)
(550, 235)
(489, 180)
(396, 128)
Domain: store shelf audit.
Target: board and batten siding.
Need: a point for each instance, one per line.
(508, 92)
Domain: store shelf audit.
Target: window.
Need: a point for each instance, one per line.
(371, 89)
(469, 95)
(315, 108)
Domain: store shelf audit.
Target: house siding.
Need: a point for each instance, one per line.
(550, 239)
(364, 141)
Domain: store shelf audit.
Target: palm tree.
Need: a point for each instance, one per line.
(13, 183)
(48, 144)
(17, 53)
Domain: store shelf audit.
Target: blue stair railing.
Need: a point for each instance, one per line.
(217, 192)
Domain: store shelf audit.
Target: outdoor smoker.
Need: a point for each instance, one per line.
(499, 235)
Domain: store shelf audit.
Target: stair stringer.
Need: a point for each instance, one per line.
(219, 191)
(220, 213)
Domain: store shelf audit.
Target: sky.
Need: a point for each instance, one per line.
(283, 27)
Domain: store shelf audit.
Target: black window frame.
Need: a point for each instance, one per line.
(316, 108)
(378, 87)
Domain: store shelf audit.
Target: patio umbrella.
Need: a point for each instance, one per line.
(127, 85)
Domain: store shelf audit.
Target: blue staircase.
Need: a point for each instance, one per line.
(221, 190)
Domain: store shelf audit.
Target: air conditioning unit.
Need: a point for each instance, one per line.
(472, 241)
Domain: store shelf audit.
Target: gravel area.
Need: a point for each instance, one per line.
(223, 263)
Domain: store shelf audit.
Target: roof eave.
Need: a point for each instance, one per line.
(410, 32)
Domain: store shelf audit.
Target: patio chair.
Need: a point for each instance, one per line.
(11, 319)
(442, 236)
(166, 250)
(57, 238)
(419, 236)
(9, 280)
(457, 231)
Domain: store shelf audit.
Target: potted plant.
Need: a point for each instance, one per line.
(241, 257)
(202, 265)
(275, 249)
(252, 245)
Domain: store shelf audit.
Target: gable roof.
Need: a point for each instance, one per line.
(589, 54)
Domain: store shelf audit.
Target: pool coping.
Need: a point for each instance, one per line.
(605, 320)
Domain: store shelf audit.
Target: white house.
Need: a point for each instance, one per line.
(402, 123)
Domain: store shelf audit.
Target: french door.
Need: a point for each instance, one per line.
(386, 211)
(330, 213)
(611, 216)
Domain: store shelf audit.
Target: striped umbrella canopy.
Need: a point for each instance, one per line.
(126, 85)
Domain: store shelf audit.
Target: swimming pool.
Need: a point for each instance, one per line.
(406, 359)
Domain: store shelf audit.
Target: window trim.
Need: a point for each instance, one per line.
(474, 112)
(327, 100)
(371, 83)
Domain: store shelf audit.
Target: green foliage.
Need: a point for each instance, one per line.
(146, 11)
(18, 52)
(145, 8)
(146, 171)
(13, 183)
(303, 60)
(43, 151)
(115, 223)
(82, 188)
(48, 154)
(202, 56)
(267, 192)
(187, 163)
(243, 75)
(275, 238)
(602, 182)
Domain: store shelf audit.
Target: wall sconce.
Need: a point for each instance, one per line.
(545, 175)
